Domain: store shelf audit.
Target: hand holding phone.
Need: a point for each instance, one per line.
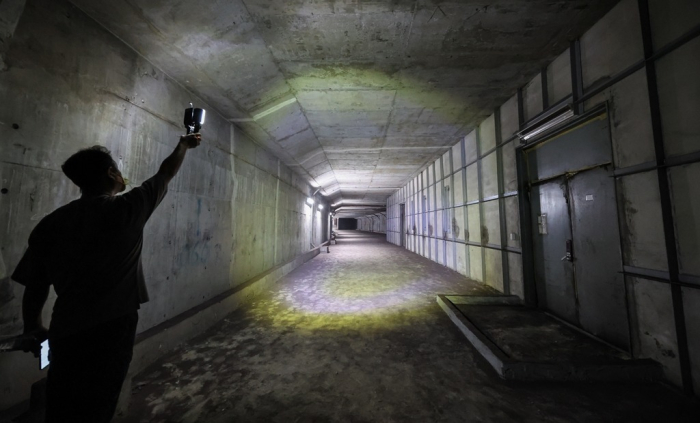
(31, 341)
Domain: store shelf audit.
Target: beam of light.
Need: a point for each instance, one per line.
(353, 296)
(267, 111)
(274, 108)
(356, 289)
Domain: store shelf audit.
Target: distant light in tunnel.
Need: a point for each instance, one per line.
(320, 206)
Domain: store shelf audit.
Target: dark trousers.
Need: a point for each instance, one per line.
(87, 371)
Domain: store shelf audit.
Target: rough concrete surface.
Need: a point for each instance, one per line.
(232, 213)
(354, 95)
(529, 334)
(355, 335)
(608, 48)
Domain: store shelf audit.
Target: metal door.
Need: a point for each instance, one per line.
(554, 273)
(600, 285)
(576, 244)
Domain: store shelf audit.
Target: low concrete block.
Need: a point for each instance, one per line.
(631, 370)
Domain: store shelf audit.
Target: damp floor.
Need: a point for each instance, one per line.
(355, 335)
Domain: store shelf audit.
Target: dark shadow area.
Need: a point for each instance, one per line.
(347, 223)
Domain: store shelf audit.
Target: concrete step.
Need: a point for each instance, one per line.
(523, 343)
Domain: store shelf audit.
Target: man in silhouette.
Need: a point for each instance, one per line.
(90, 251)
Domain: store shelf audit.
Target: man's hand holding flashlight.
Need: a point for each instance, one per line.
(191, 140)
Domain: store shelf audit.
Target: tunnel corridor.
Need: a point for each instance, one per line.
(469, 155)
(355, 335)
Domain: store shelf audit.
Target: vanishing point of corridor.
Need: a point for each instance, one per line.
(355, 335)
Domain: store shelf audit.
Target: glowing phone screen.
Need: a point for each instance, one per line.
(45, 354)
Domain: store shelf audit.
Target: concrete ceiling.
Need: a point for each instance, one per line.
(357, 96)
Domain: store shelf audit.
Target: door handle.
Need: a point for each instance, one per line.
(569, 251)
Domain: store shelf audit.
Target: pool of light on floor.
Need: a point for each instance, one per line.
(359, 285)
(351, 302)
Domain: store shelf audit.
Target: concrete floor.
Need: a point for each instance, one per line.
(530, 335)
(357, 336)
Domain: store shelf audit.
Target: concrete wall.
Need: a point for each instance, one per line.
(233, 213)
(453, 208)
(372, 223)
(461, 227)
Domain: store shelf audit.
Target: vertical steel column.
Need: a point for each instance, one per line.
(666, 201)
(453, 210)
(465, 212)
(502, 203)
(441, 187)
(527, 257)
(480, 185)
(433, 208)
(521, 109)
(576, 76)
(545, 89)
(424, 216)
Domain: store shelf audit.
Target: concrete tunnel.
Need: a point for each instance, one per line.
(400, 210)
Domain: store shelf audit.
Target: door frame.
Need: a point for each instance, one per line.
(525, 205)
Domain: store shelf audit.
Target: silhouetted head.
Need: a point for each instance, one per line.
(94, 171)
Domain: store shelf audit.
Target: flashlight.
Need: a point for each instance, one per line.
(194, 119)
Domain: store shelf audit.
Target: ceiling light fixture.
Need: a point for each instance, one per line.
(528, 134)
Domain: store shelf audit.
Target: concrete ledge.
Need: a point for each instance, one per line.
(153, 343)
(486, 348)
(485, 300)
(633, 370)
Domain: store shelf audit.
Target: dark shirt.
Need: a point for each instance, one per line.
(90, 250)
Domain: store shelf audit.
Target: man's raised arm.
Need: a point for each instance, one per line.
(170, 166)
